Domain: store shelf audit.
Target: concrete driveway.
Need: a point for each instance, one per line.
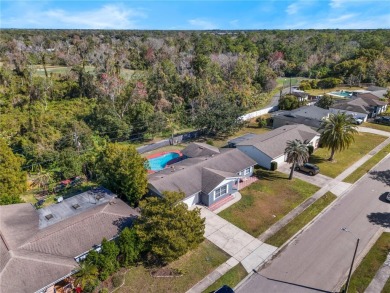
(242, 246)
(317, 180)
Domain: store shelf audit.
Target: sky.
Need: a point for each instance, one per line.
(195, 15)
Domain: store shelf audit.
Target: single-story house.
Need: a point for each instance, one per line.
(311, 116)
(39, 248)
(208, 174)
(361, 107)
(269, 147)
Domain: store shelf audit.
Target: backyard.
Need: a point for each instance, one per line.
(364, 143)
(194, 266)
(266, 201)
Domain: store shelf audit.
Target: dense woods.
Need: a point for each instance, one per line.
(65, 93)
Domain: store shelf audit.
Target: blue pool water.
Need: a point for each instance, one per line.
(159, 163)
(342, 93)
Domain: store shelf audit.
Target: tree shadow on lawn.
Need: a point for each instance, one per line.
(263, 174)
(316, 159)
(380, 219)
(382, 176)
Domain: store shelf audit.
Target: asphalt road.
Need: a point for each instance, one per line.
(319, 259)
(275, 98)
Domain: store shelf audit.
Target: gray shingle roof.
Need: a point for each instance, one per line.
(211, 178)
(273, 143)
(187, 175)
(32, 258)
(198, 149)
(364, 103)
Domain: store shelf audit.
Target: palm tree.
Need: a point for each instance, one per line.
(297, 152)
(338, 132)
(87, 274)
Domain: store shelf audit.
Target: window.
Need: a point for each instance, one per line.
(220, 191)
(247, 171)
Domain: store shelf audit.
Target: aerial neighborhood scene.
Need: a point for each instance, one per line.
(195, 146)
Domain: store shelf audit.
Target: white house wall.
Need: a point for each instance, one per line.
(261, 159)
(354, 114)
(192, 200)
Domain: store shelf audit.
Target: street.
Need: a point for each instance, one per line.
(318, 259)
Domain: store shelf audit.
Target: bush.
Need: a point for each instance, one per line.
(117, 280)
(328, 83)
(310, 149)
(274, 165)
(261, 123)
(210, 142)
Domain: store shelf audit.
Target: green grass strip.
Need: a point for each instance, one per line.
(367, 166)
(231, 278)
(301, 220)
(370, 264)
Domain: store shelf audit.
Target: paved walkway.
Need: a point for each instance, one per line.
(381, 277)
(243, 247)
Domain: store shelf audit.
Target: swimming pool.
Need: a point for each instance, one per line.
(159, 163)
(342, 93)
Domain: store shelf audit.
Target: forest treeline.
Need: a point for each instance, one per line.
(65, 93)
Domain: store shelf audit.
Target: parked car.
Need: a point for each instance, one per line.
(382, 120)
(358, 121)
(311, 169)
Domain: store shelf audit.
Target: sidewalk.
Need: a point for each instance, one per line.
(381, 277)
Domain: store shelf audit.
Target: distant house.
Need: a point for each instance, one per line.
(39, 248)
(363, 106)
(207, 176)
(301, 95)
(311, 116)
(269, 147)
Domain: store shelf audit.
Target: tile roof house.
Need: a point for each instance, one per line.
(311, 116)
(38, 248)
(207, 176)
(363, 106)
(268, 147)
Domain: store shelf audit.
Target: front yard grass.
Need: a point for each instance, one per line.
(366, 167)
(195, 265)
(266, 201)
(370, 264)
(376, 126)
(364, 143)
(301, 220)
(231, 278)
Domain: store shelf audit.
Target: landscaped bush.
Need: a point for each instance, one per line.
(274, 165)
(117, 280)
(310, 148)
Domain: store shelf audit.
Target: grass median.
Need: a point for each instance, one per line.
(194, 265)
(301, 220)
(367, 166)
(370, 264)
(266, 201)
(377, 126)
(364, 143)
(231, 278)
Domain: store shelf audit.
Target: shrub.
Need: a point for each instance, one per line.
(210, 142)
(328, 83)
(261, 123)
(274, 165)
(310, 149)
(117, 280)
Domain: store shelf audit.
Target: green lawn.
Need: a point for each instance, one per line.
(367, 269)
(364, 143)
(376, 126)
(231, 278)
(266, 201)
(366, 167)
(301, 220)
(194, 265)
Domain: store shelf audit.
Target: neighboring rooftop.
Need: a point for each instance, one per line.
(33, 255)
(197, 149)
(312, 112)
(241, 138)
(364, 103)
(273, 143)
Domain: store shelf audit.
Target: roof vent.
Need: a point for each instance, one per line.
(49, 216)
(76, 206)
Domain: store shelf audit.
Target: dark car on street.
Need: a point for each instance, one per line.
(382, 120)
(311, 169)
